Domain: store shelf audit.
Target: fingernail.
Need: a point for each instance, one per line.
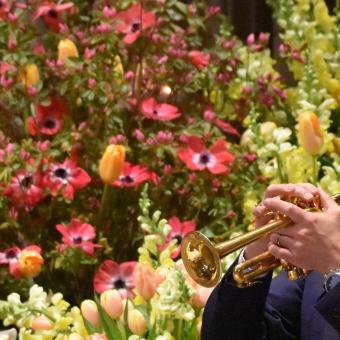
(308, 195)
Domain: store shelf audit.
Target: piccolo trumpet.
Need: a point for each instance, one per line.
(202, 259)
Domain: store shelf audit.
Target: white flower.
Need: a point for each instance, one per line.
(282, 134)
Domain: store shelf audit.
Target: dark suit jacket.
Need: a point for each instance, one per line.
(276, 309)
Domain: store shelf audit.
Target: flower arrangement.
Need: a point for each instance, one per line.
(107, 105)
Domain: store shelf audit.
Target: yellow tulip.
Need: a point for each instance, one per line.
(112, 163)
(30, 75)
(30, 263)
(67, 49)
(334, 89)
(136, 322)
(310, 133)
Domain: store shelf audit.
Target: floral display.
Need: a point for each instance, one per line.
(125, 125)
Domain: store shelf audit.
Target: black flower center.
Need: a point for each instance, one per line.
(119, 284)
(49, 123)
(155, 112)
(10, 253)
(204, 158)
(53, 13)
(178, 238)
(127, 179)
(26, 181)
(135, 27)
(77, 240)
(60, 172)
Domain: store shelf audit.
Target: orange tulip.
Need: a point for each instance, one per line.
(112, 303)
(311, 137)
(136, 322)
(112, 163)
(30, 263)
(146, 280)
(67, 49)
(90, 312)
(30, 75)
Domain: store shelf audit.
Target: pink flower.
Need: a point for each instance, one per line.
(49, 120)
(112, 275)
(197, 157)
(51, 12)
(133, 21)
(4, 8)
(133, 175)
(24, 190)
(226, 127)
(11, 257)
(199, 59)
(159, 111)
(178, 231)
(66, 177)
(4, 68)
(78, 235)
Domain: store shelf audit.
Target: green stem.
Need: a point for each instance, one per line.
(314, 170)
(179, 329)
(103, 205)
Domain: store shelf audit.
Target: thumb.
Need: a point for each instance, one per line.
(327, 201)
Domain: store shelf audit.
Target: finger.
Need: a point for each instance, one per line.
(310, 188)
(282, 241)
(260, 210)
(279, 190)
(305, 191)
(260, 221)
(295, 213)
(326, 200)
(281, 253)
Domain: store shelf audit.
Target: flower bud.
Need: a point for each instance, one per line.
(112, 303)
(310, 132)
(30, 75)
(41, 323)
(30, 263)
(66, 49)
(146, 280)
(90, 312)
(136, 322)
(112, 163)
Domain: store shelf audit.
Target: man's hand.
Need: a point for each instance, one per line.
(304, 191)
(313, 240)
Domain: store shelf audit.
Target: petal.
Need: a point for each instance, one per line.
(131, 37)
(148, 106)
(187, 227)
(187, 156)
(127, 269)
(196, 144)
(110, 267)
(176, 225)
(218, 169)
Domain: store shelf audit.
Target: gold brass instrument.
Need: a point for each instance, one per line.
(201, 257)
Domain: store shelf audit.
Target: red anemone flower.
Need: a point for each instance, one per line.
(133, 21)
(133, 175)
(66, 177)
(199, 59)
(50, 12)
(197, 157)
(159, 111)
(78, 235)
(178, 231)
(112, 275)
(24, 190)
(49, 120)
(11, 257)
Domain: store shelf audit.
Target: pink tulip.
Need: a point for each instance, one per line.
(136, 322)
(90, 312)
(41, 323)
(146, 281)
(112, 303)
